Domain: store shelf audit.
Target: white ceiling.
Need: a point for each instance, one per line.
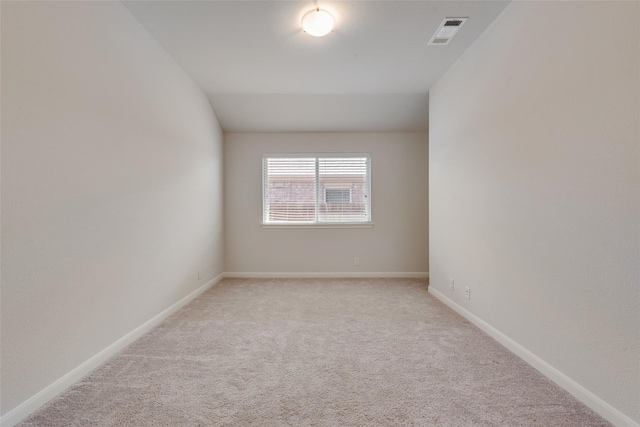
(261, 72)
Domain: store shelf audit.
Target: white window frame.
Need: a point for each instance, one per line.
(316, 224)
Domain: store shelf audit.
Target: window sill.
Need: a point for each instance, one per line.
(358, 225)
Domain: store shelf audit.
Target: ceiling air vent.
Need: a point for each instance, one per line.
(447, 30)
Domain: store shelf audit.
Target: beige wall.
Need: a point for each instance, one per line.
(111, 186)
(535, 188)
(396, 244)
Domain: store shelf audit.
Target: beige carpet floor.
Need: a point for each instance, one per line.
(315, 352)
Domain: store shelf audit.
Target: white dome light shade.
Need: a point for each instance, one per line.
(318, 22)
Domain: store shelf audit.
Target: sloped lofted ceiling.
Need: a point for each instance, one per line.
(261, 72)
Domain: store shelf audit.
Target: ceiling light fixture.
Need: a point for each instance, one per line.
(317, 22)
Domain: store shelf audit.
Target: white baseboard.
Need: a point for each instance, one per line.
(283, 275)
(30, 405)
(598, 405)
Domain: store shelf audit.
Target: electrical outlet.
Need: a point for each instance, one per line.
(467, 293)
(356, 261)
(451, 285)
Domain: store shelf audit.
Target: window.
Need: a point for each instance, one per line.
(337, 196)
(323, 189)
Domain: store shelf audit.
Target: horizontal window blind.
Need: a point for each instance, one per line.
(348, 174)
(290, 189)
(316, 190)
